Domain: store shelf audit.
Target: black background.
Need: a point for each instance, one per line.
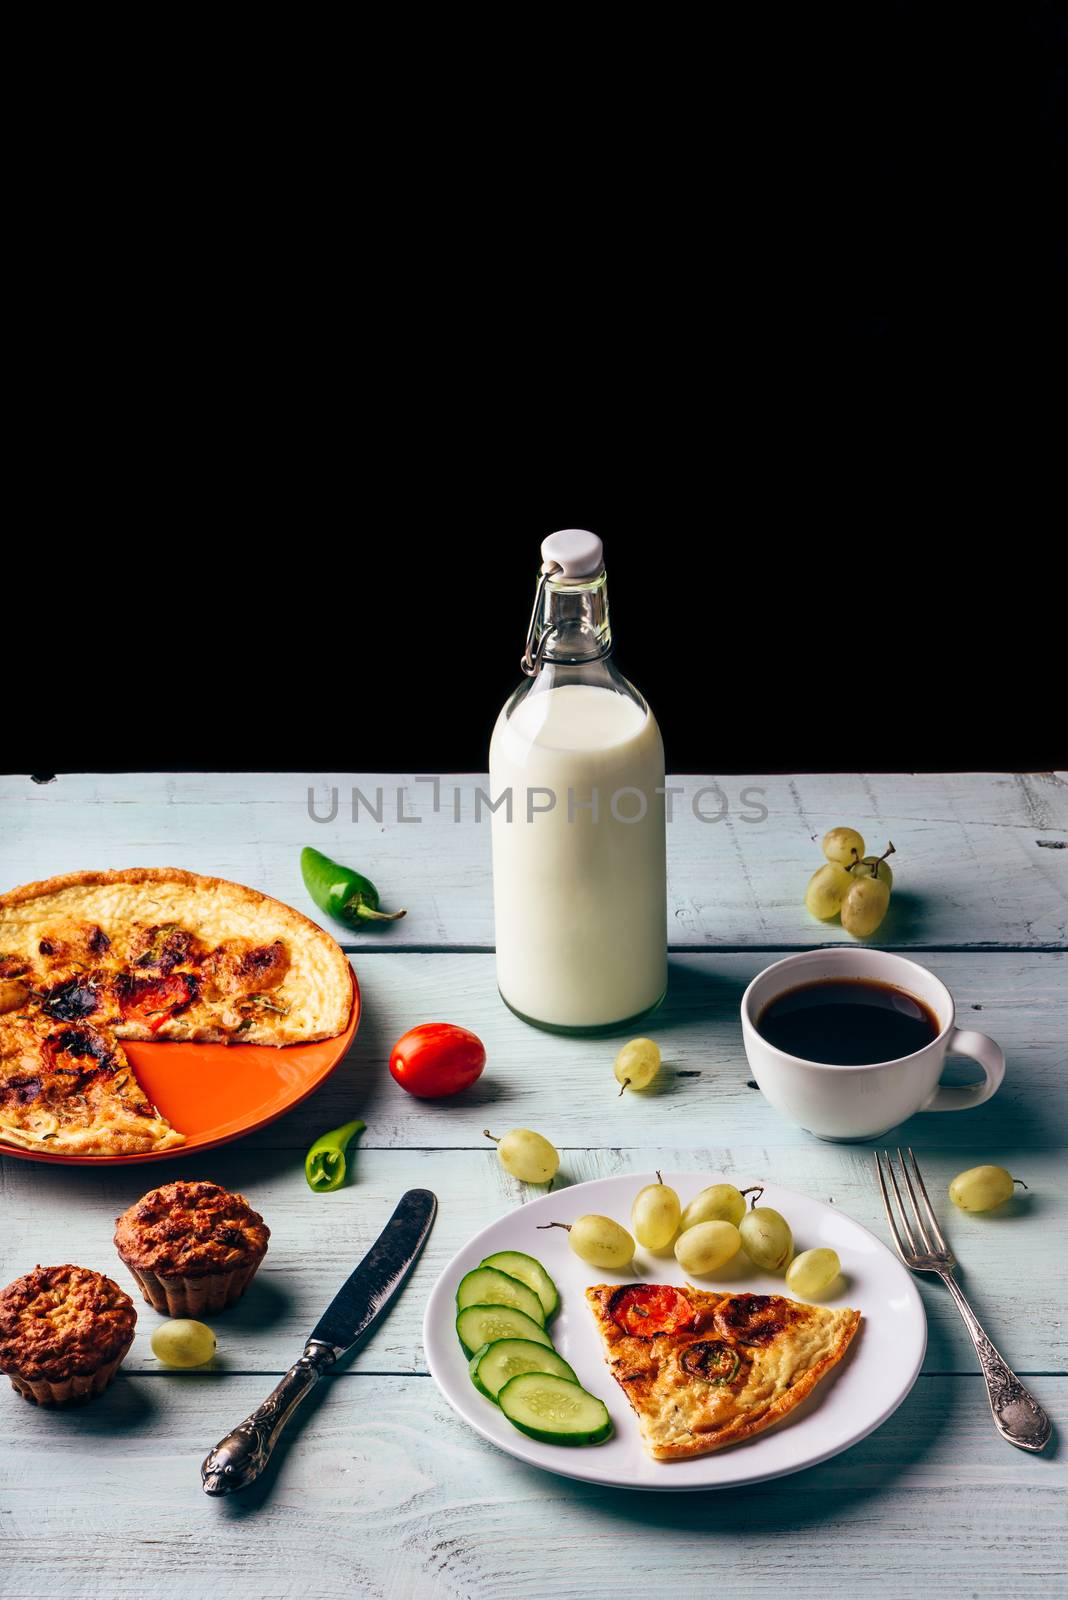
(781, 318)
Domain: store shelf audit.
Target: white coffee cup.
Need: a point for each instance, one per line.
(863, 1102)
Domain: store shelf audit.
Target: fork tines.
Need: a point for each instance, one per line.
(914, 1226)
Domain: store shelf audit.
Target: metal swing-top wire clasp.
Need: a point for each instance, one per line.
(530, 662)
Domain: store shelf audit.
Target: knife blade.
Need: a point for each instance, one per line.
(240, 1458)
(362, 1299)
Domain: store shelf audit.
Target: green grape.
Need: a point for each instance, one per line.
(865, 906)
(882, 870)
(598, 1241)
(839, 845)
(766, 1238)
(655, 1215)
(637, 1064)
(982, 1188)
(722, 1202)
(812, 1272)
(706, 1247)
(183, 1343)
(827, 888)
(527, 1156)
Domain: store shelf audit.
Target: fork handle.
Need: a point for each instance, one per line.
(1018, 1416)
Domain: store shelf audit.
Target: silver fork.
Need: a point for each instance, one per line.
(1018, 1416)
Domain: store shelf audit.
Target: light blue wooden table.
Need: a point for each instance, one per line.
(384, 1493)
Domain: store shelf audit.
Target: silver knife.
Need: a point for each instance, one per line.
(238, 1460)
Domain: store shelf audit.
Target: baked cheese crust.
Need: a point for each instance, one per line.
(709, 1369)
(91, 958)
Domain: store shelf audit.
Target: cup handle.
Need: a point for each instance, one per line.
(990, 1056)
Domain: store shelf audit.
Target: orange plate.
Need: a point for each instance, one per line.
(217, 1092)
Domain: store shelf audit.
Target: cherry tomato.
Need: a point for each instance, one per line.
(437, 1059)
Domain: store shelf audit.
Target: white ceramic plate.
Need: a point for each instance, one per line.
(863, 1390)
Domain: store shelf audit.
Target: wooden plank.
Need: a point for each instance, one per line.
(55, 1215)
(564, 1087)
(972, 869)
(386, 1495)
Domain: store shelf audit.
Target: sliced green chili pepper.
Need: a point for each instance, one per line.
(341, 892)
(325, 1164)
(711, 1360)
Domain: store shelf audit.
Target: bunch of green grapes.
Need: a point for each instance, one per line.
(712, 1230)
(715, 1226)
(851, 884)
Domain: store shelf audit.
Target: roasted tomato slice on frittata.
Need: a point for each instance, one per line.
(153, 1001)
(75, 1051)
(646, 1309)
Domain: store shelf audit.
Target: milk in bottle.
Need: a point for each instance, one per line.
(576, 778)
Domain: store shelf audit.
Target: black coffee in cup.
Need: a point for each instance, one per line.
(851, 1022)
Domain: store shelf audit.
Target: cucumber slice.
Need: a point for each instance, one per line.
(479, 1325)
(485, 1286)
(555, 1410)
(530, 1272)
(495, 1364)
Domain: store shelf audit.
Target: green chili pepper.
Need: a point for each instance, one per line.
(711, 1360)
(325, 1164)
(341, 892)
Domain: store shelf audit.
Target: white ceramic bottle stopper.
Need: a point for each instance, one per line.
(578, 553)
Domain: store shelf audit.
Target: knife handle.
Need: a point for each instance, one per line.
(238, 1460)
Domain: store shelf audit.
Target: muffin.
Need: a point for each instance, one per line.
(193, 1247)
(63, 1333)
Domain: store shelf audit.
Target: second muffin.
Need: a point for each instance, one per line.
(193, 1247)
(63, 1333)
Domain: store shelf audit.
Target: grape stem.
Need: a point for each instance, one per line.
(1021, 1183)
(660, 1180)
(756, 1191)
(565, 1225)
(625, 1083)
(494, 1136)
(889, 851)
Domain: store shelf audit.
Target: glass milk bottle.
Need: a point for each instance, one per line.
(577, 781)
